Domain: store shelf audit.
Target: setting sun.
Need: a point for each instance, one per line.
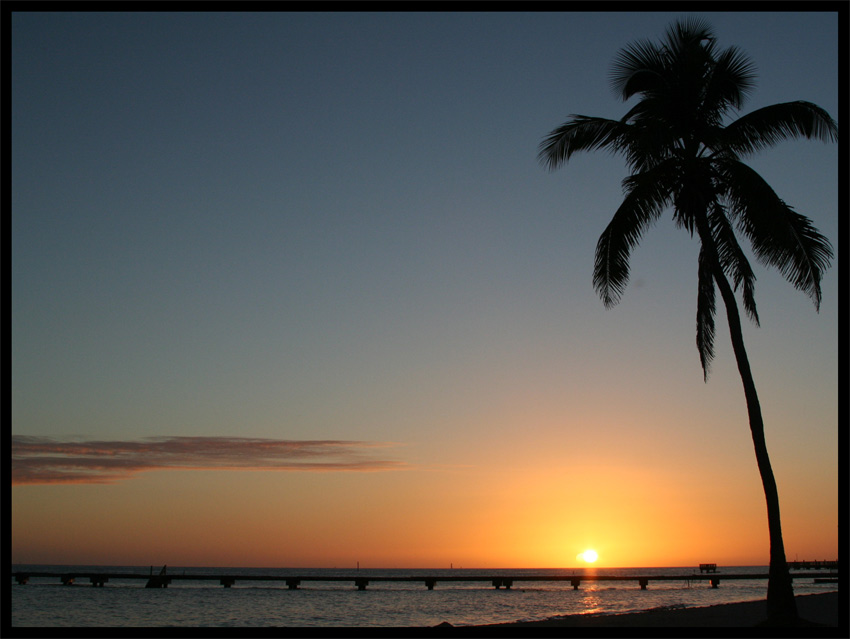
(588, 555)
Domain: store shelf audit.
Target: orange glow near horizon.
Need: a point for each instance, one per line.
(512, 502)
(632, 517)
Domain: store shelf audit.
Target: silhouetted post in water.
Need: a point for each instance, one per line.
(681, 155)
(160, 581)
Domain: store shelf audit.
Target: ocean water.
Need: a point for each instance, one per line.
(46, 602)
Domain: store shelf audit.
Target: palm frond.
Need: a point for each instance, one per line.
(579, 133)
(646, 195)
(686, 33)
(780, 236)
(770, 125)
(732, 79)
(705, 313)
(649, 139)
(733, 261)
(689, 48)
(637, 68)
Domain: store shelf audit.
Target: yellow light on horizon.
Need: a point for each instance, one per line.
(588, 555)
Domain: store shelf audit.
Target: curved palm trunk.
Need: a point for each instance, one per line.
(781, 606)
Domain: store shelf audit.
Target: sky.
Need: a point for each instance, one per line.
(293, 290)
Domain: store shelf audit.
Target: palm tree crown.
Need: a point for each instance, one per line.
(684, 153)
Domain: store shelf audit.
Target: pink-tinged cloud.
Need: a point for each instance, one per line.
(43, 460)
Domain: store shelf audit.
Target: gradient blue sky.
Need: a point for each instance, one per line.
(333, 227)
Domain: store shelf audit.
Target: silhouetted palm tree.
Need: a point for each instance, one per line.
(684, 156)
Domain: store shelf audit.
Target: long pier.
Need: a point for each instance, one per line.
(361, 582)
(813, 565)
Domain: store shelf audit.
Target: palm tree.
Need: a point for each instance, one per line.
(683, 154)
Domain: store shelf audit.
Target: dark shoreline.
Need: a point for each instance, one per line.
(818, 611)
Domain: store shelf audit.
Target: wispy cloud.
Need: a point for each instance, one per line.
(44, 460)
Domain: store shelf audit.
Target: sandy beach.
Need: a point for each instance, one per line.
(820, 611)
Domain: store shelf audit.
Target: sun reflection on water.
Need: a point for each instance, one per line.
(590, 601)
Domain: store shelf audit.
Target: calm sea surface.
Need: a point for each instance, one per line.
(126, 603)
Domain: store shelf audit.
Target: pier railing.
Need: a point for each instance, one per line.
(293, 582)
(813, 565)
